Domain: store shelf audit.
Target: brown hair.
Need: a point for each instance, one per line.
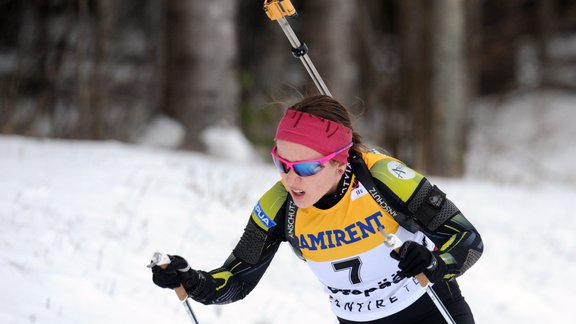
(328, 108)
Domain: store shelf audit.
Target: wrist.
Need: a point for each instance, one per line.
(190, 280)
(436, 270)
(195, 283)
(433, 263)
(203, 288)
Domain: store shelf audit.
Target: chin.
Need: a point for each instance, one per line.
(299, 205)
(303, 202)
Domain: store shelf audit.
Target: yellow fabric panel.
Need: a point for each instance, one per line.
(402, 180)
(267, 207)
(224, 275)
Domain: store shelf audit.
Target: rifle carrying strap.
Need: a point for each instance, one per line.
(290, 226)
(362, 173)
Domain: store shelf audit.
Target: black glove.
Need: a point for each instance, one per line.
(415, 258)
(177, 273)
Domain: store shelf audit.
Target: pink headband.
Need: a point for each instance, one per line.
(322, 135)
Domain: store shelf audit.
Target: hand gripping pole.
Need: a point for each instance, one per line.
(162, 260)
(392, 241)
(278, 10)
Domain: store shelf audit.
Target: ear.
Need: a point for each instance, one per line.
(341, 168)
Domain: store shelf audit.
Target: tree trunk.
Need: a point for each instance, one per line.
(268, 72)
(415, 75)
(202, 89)
(449, 88)
(545, 28)
(330, 29)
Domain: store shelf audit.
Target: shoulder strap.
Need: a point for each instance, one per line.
(290, 226)
(362, 173)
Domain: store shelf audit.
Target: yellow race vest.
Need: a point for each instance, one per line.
(345, 250)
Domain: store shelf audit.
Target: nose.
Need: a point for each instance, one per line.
(291, 178)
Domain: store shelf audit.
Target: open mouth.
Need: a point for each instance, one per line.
(298, 193)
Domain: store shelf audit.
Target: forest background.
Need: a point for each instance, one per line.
(412, 72)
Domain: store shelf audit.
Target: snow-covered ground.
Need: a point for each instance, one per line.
(79, 222)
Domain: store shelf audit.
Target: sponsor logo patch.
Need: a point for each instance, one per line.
(436, 201)
(400, 171)
(263, 217)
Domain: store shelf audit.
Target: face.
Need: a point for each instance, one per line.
(306, 191)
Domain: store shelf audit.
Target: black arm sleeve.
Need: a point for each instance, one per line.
(241, 271)
(459, 243)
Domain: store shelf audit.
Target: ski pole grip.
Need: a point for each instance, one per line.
(395, 243)
(180, 291)
(421, 277)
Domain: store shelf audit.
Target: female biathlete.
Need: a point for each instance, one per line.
(334, 197)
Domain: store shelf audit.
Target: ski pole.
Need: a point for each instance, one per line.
(278, 10)
(162, 260)
(392, 241)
